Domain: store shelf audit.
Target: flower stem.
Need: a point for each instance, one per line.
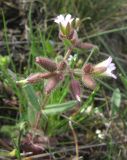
(94, 50)
(75, 140)
(68, 53)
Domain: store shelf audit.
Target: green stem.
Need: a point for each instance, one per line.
(68, 53)
(19, 140)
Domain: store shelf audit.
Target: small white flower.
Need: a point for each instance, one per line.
(100, 134)
(64, 20)
(89, 109)
(109, 67)
(98, 131)
(72, 58)
(68, 27)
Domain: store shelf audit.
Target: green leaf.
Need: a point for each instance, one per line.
(49, 46)
(4, 61)
(31, 115)
(67, 43)
(115, 101)
(31, 97)
(33, 104)
(116, 98)
(59, 108)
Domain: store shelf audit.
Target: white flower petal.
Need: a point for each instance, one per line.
(113, 76)
(109, 73)
(64, 20)
(68, 17)
(112, 66)
(105, 63)
(59, 19)
(109, 67)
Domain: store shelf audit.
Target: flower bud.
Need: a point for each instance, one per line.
(99, 70)
(33, 78)
(75, 89)
(73, 36)
(46, 63)
(87, 68)
(53, 82)
(62, 65)
(89, 81)
(85, 45)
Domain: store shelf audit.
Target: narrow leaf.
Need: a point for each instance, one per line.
(31, 97)
(59, 108)
(116, 98)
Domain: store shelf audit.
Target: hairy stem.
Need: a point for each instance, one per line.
(68, 53)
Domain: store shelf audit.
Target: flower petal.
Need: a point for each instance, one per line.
(109, 73)
(64, 20)
(105, 63)
(59, 19)
(112, 66)
(68, 17)
(109, 67)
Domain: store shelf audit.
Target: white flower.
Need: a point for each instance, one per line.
(72, 58)
(100, 134)
(98, 131)
(109, 67)
(68, 27)
(64, 20)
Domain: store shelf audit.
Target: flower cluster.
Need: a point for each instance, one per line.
(56, 72)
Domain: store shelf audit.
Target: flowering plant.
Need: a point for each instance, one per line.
(56, 72)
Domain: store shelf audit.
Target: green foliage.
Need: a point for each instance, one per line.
(59, 108)
(115, 101)
(89, 100)
(4, 61)
(31, 97)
